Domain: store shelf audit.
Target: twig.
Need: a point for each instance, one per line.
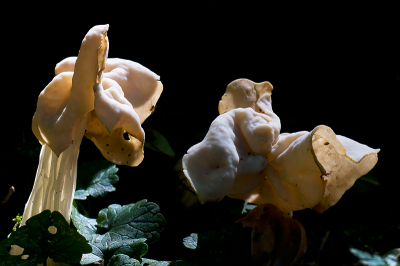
(322, 247)
(324, 240)
(10, 192)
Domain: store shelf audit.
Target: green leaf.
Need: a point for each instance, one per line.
(374, 259)
(370, 178)
(165, 263)
(95, 179)
(123, 260)
(157, 142)
(110, 244)
(66, 245)
(226, 246)
(137, 220)
(190, 242)
(85, 226)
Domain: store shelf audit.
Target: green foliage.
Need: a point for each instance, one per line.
(157, 142)
(66, 245)
(95, 179)
(147, 262)
(124, 260)
(128, 228)
(376, 260)
(109, 244)
(85, 226)
(137, 220)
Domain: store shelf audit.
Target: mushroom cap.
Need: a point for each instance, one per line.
(141, 87)
(231, 156)
(243, 93)
(69, 96)
(311, 170)
(117, 95)
(304, 169)
(112, 117)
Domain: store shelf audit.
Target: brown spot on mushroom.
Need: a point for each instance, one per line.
(107, 144)
(152, 108)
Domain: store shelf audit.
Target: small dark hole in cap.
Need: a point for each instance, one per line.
(126, 136)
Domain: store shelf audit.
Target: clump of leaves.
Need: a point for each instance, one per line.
(64, 246)
(127, 227)
(389, 259)
(120, 234)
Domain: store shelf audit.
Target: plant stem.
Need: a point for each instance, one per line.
(10, 192)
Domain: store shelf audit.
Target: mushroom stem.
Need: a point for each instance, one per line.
(55, 181)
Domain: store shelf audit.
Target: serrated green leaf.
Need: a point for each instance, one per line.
(374, 259)
(95, 179)
(123, 260)
(85, 226)
(190, 242)
(110, 244)
(137, 220)
(66, 245)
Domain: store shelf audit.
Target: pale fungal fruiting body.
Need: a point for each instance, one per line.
(233, 153)
(311, 170)
(94, 96)
(244, 157)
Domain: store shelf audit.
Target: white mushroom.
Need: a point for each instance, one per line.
(311, 170)
(243, 157)
(233, 153)
(75, 101)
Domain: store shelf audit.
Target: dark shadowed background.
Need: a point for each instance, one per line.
(331, 65)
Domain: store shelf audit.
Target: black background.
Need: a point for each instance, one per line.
(331, 65)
